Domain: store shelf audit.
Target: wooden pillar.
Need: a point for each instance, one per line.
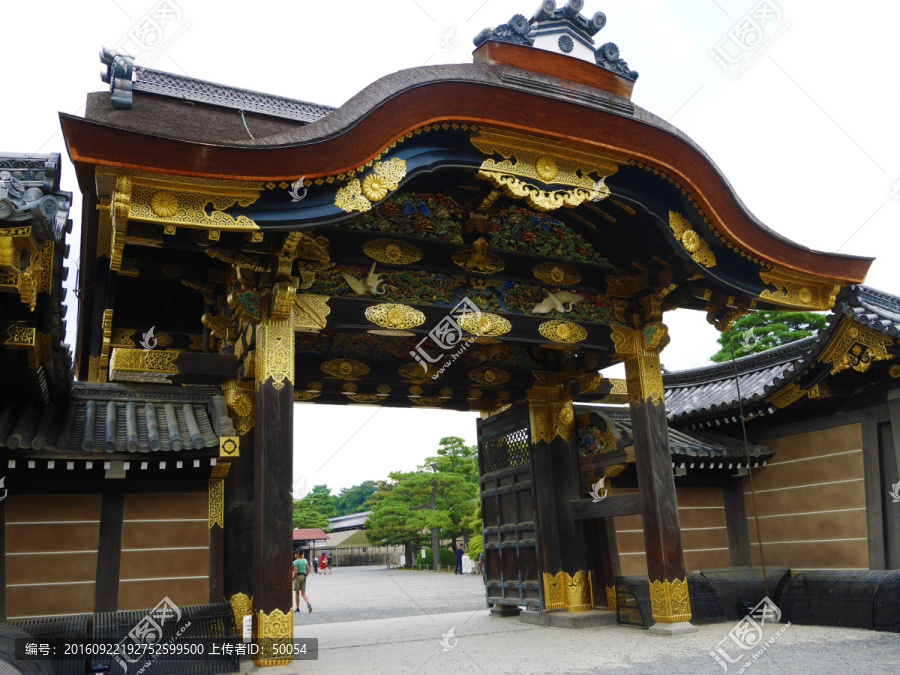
(272, 512)
(669, 598)
(239, 486)
(736, 522)
(603, 551)
(562, 553)
(109, 552)
(3, 555)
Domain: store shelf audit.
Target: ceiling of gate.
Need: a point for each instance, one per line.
(460, 269)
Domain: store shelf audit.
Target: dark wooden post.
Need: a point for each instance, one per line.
(109, 552)
(562, 553)
(272, 517)
(736, 522)
(669, 598)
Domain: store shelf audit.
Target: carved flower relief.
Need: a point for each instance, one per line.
(393, 252)
(546, 168)
(691, 241)
(164, 204)
(374, 187)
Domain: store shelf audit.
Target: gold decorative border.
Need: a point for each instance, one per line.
(670, 601)
(691, 241)
(216, 502)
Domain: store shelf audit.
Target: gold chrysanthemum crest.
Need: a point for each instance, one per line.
(395, 316)
(563, 332)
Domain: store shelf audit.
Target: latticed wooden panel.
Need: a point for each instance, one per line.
(503, 452)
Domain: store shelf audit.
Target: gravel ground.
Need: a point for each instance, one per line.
(362, 593)
(377, 621)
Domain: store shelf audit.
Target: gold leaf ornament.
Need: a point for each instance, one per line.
(392, 252)
(395, 316)
(564, 332)
(485, 324)
(374, 187)
(164, 204)
(546, 168)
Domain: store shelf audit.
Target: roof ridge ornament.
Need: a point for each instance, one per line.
(119, 76)
(563, 30)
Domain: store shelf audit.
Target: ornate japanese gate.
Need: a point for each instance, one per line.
(526, 183)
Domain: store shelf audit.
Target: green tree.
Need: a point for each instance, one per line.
(456, 458)
(438, 498)
(354, 499)
(769, 329)
(315, 509)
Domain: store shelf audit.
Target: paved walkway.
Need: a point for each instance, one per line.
(350, 621)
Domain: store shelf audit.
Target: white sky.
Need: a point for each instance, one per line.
(807, 136)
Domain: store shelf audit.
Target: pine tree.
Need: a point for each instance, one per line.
(764, 330)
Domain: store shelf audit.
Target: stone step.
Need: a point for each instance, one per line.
(562, 619)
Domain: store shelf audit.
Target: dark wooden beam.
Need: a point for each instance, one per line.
(617, 505)
(736, 522)
(109, 552)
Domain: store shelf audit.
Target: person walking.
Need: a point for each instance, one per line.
(329, 562)
(323, 563)
(459, 555)
(299, 571)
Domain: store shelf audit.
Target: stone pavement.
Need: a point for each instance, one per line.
(355, 636)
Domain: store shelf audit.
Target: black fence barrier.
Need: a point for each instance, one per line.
(737, 586)
(844, 598)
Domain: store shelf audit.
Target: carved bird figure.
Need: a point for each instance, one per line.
(558, 302)
(370, 285)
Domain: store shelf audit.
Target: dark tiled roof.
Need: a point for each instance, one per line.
(200, 91)
(710, 394)
(687, 445)
(119, 418)
(875, 309)
(701, 391)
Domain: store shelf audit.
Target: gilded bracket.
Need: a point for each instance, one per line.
(551, 414)
(798, 290)
(855, 346)
(529, 163)
(643, 374)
